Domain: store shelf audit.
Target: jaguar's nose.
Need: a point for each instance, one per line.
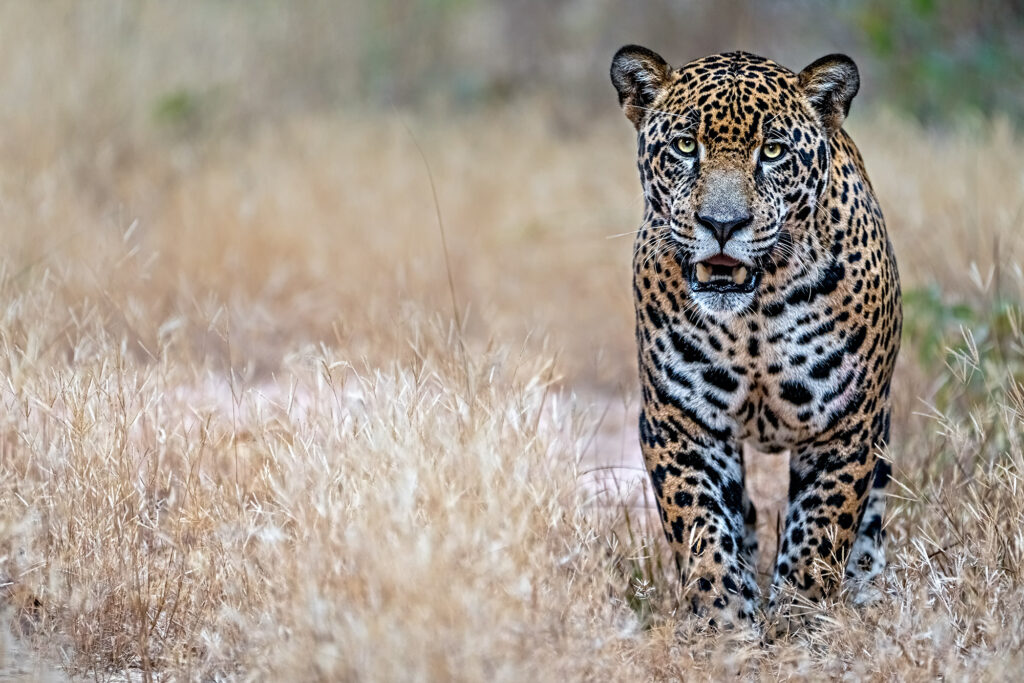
(723, 226)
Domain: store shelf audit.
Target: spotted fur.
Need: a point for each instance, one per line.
(797, 354)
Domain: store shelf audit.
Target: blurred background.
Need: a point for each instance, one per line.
(222, 67)
(268, 154)
(191, 65)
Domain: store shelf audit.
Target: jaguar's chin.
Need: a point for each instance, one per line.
(723, 303)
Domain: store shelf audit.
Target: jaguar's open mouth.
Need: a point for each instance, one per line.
(723, 274)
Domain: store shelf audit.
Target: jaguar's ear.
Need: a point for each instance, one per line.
(830, 84)
(640, 76)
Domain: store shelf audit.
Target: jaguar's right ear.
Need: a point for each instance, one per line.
(640, 76)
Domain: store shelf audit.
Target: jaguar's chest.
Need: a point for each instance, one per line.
(773, 380)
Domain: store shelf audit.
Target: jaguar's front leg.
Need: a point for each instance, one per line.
(867, 560)
(828, 489)
(698, 480)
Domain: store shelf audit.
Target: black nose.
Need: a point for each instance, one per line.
(724, 226)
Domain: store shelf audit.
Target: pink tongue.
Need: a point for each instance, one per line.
(723, 260)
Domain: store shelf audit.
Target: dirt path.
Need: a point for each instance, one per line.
(19, 663)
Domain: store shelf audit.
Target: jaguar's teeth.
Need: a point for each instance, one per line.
(703, 273)
(739, 274)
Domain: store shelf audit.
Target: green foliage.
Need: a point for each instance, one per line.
(930, 323)
(982, 347)
(179, 109)
(943, 59)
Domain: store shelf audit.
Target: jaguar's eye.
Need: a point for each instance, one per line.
(686, 146)
(773, 151)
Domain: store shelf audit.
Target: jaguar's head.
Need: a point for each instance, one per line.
(734, 158)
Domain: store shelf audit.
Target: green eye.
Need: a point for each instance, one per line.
(686, 145)
(772, 150)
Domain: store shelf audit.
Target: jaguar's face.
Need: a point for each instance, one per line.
(733, 155)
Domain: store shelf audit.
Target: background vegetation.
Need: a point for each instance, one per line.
(260, 420)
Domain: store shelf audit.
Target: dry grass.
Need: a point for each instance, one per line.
(241, 436)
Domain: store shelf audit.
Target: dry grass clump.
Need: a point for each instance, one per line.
(334, 524)
(241, 438)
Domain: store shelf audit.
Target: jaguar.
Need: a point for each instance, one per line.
(768, 312)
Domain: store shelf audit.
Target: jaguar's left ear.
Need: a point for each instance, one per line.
(830, 84)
